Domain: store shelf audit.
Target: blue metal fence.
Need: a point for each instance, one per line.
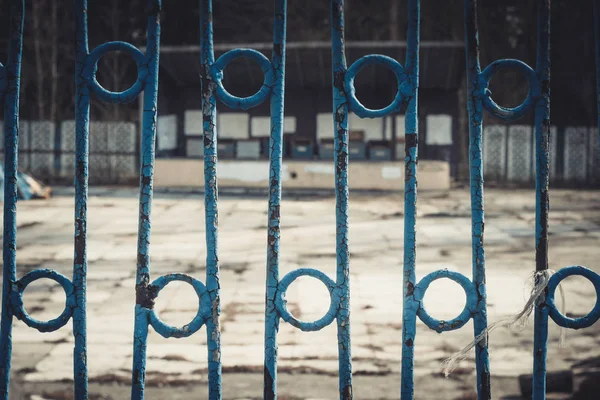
(273, 88)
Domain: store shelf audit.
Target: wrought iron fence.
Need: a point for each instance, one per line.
(344, 100)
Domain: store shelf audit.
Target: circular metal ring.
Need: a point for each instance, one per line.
(19, 308)
(91, 67)
(280, 301)
(204, 307)
(257, 98)
(404, 87)
(509, 113)
(560, 319)
(463, 317)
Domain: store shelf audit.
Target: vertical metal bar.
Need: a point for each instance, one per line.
(82, 117)
(274, 215)
(140, 335)
(411, 124)
(475, 108)
(340, 129)
(11, 146)
(150, 111)
(542, 136)
(209, 112)
(540, 344)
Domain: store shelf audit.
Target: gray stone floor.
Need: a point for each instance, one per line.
(42, 363)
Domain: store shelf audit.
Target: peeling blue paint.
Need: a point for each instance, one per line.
(411, 146)
(334, 292)
(19, 309)
(204, 306)
(340, 159)
(403, 94)
(538, 98)
(245, 103)
(274, 203)
(455, 323)
(10, 87)
(148, 82)
(82, 121)
(475, 102)
(566, 322)
(508, 113)
(343, 98)
(209, 115)
(273, 88)
(542, 140)
(75, 290)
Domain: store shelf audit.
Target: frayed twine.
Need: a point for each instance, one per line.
(515, 323)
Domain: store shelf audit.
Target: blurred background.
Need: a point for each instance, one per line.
(507, 30)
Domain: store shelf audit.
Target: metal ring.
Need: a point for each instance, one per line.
(566, 322)
(204, 307)
(455, 323)
(404, 88)
(91, 67)
(19, 308)
(509, 113)
(280, 301)
(257, 98)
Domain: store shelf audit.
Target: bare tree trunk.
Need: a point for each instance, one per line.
(37, 13)
(347, 8)
(394, 28)
(463, 132)
(54, 62)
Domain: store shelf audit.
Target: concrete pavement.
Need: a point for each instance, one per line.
(308, 361)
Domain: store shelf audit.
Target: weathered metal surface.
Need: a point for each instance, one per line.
(542, 136)
(9, 94)
(75, 289)
(274, 203)
(343, 100)
(273, 88)
(411, 126)
(476, 94)
(209, 128)
(538, 98)
(146, 291)
(475, 104)
(340, 160)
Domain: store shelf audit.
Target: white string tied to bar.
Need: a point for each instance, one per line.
(515, 323)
